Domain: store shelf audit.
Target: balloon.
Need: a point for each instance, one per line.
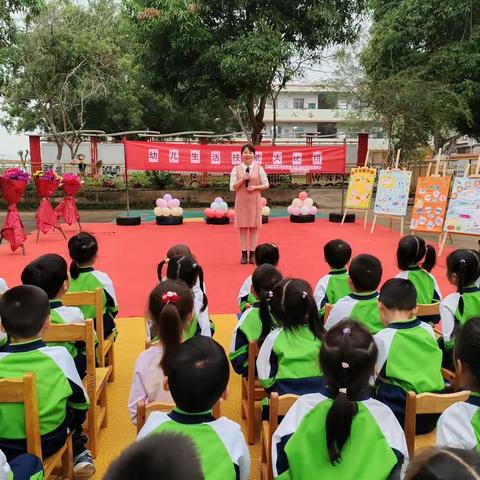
(209, 212)
(296, 202)
(161, 202)
(289, 209)
(174, 203)
(157, 211)
(213, 206)
(263, 202)
(219, 214)
(302, 196)
(313, 210)
(177, 211)
(231, 213)
(223, 207)
(295, 211)
(308, 202)
(266, 211)
(166, 212)
(218, 200)
(167, 197)
(304, 210)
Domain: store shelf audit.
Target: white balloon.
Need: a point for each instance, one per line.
(296, 202)
(176, 211)
(305, 210)
(165, 212)
(223, 206)
(213, 205)
(308, 202)
(265, 211)
(157, 211)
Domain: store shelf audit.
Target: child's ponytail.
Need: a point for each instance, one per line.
(74, 269)
(202, 288)
(265, 315)
(314, 320)
(160, 268)
(430, 258)
(170, 331)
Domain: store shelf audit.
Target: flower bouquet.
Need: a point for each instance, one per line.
(13, 183)
(67, 208)
(47, 183)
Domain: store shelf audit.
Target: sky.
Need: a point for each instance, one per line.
(10, 144)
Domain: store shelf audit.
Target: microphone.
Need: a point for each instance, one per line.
(247, 181)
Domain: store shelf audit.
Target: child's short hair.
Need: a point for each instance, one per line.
(398, 294)
(48, 272)
(165, 455)
(337, 253)
(198, 374)
(365, 272)
(82, 248)
(267, 253)
(467, 345)
(24, 310)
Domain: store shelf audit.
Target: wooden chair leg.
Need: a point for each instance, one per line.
(111, 361)
(103, 404)
(92, 428)
(242, 402)
(251, 420)
(67, 461)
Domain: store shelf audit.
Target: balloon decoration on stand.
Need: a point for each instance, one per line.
(302, 209)
(218, 213)
(265, 210)
(168, 211)
(12, 184)
(67, 208)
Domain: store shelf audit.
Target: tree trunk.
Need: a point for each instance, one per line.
(256, 118)
(59, 154)
(274, 107)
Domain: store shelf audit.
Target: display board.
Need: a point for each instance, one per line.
(463, 214)
(360, 188)
(392, 192)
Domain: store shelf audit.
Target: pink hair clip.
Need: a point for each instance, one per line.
(170, 297)
(346, 331)
(345, 365)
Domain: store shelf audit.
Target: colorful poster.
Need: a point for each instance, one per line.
(431, 199)
(360, 188)
(463, 214)
(392, 192)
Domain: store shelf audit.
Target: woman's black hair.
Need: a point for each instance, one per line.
(412, 249)
(292, 305)
(184, 268)
(347, 359)
(248, 146)
(82, 249)
(267, 253)
(467, 346)
(264, 278)
(170, 315)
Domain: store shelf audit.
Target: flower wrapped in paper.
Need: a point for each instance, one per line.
(12, 184)
(67, 208)
(47, 183)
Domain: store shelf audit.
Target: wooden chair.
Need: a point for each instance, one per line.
(428, 309)
(328, 309)
(106, 346)
(279, 406)
(95, 380)
(417, 404)
(144, 410)
(24, 390)
(252, 392)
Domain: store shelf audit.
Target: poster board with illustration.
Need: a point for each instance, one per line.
(360, 188)
(392, 193)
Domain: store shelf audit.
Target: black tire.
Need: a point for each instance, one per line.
(128, 221)
(217, 221)
(264, 219)
(169, 220)
(337, 217)
(302, 218)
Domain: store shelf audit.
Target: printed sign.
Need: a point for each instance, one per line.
(360, 188)
(463, 214)
(392, 192)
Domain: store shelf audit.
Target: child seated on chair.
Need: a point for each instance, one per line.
(458, 426)
(197, 377)
(365, 274)
(256, 321)
(23, 467)
(50, 273)
(409, 358)
(62, 400)
(170, 308)
(342, 433)
(83, 250)
(264, 253)
(333, 286)
(3, 335)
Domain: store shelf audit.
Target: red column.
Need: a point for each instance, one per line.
(35, 153)
(362, 148)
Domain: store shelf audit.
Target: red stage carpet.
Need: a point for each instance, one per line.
(130, 255)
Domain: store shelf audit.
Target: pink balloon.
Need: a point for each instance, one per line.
(289, 209)
(295, 211)
(263, 202)
(302, 196)
(209, 212)
(219, 213)
(161, 203)
(313, 210)
(231, 213)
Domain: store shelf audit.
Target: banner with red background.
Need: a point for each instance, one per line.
(191, 157)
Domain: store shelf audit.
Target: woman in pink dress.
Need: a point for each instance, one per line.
(248, 180)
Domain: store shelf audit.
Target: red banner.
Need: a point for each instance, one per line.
(188, 157)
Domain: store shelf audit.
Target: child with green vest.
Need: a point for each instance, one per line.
(365, 274)
(83, 250)
(342, 433)
(23, 467)
(3, 335)
(264, 253)
(62, 399)
(256, 321)
(410, 253)
(197, 377)
(50, 273)
(459, 424)
(409, 358)
(333, 286)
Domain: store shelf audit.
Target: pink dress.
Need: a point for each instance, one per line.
(248, 207)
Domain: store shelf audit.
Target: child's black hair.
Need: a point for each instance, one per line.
(248, 146)
(198, 375)
(412, 249)
(267, 253)
(164, 455)
(467, 347)
(48, 272)
(365, 273)
(347, 359)
(178, 250)
(185, 268)
(337, 253)
(465, 264)
(444, 464)
(398, 294)
(170, 314)
(264, 278)
(292, 305)
(24, 310)
(82, 249)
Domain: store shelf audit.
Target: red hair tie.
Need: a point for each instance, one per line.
(170, 297)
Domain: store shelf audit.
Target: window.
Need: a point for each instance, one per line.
(299, 103)
(312, 106)
(327, 128)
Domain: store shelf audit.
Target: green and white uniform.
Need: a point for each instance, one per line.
(245, 295)
(3, 289)
(459, 425)
(89, 280)
(220, 443)
(375, 448)
(331, 288)
(456, 310)
(58, 388)
(409, 359)
(362, 307)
